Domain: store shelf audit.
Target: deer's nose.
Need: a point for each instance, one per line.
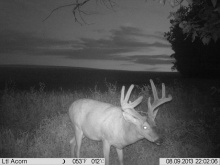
(159, 141)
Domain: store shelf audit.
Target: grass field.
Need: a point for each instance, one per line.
(35, 124)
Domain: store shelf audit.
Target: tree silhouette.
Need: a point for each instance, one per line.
(193, 59)
(201, 19)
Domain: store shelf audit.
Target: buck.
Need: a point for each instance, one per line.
(115, 126)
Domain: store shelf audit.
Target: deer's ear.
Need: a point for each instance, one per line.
(129, 118)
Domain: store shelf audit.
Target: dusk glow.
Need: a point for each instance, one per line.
(130, 37)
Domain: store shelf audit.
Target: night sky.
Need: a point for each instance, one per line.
(130, 37)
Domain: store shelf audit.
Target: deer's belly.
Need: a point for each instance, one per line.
(92, 132)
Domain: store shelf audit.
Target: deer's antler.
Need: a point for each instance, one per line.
(124, 100)
(153, 108)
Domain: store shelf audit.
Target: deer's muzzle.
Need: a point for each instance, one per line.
(159, 141)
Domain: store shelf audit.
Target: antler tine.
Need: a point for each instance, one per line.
(163, 90)
(136, 102)
(122, 95)
(153, 108)
(154, 90)
(124, 100)
(128, 93)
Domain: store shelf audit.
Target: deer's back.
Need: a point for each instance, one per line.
(94, 118)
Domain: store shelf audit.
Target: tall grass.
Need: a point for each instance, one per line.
(35, 123)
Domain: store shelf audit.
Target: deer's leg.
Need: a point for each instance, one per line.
(72, 146)
(106, 150)
(79, 136)
(120, 155)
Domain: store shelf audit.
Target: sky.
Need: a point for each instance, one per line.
(128, 37)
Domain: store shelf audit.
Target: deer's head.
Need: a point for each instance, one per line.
(145, 125)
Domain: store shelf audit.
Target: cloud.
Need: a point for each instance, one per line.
(27, 43)
(121, 41)
(151, 59)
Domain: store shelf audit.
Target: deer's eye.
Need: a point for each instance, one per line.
(144, 127)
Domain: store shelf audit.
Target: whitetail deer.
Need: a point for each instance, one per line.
(117, 126)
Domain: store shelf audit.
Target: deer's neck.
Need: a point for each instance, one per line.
(130, 133)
